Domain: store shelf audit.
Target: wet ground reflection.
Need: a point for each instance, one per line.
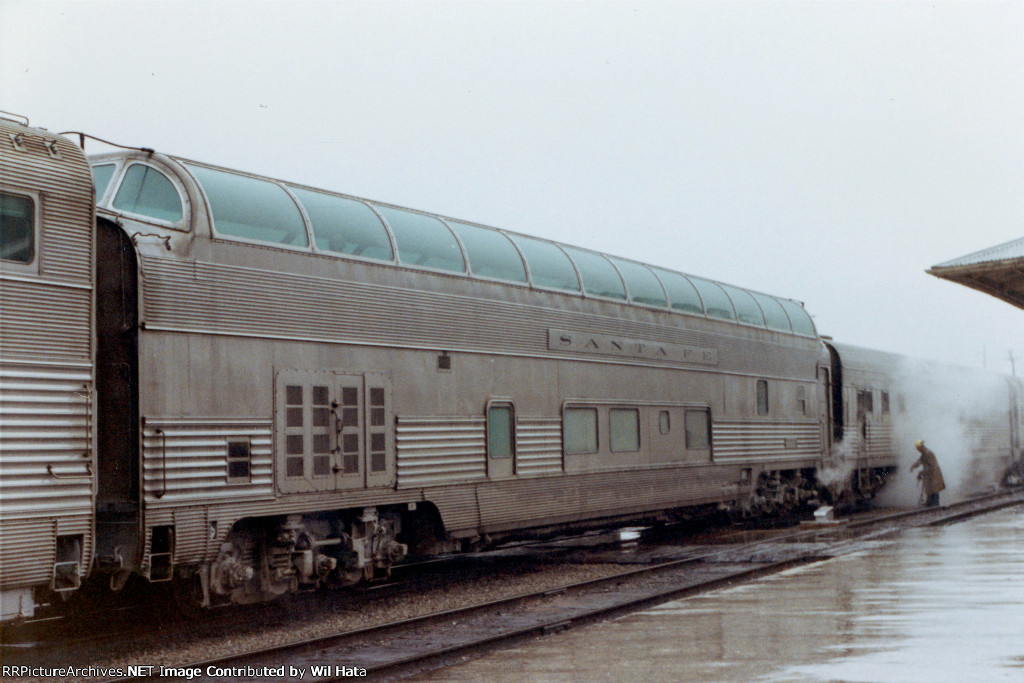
(939, 604)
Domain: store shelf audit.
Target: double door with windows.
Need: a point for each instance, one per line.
(332, 431)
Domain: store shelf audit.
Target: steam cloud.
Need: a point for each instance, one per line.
(962, 415)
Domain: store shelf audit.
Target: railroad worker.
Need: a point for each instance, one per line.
(930, 474)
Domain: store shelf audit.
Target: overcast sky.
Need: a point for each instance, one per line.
(826, 152)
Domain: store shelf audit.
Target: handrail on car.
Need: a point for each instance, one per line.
(87, 475)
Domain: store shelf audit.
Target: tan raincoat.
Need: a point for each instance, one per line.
(933, 481)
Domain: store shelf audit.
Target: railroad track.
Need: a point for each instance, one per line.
(403, 647)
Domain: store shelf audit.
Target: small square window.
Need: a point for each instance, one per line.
(239, 462)
(350, 417)
(321, 417)
(321, 465)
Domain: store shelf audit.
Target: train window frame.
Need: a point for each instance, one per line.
(31, 266)
(320, 232)
(238, 451)
(623, 432)
(117, 183)
(799, 318)
(885, 403)
(548, 261)
(746, 313)
(601, 279)
(763, 402)
(412, 230)
(683, 295)
(509, 433)
(115, 172)
(219, 234)
(869, 401)
(714, 297)
(665, 422)
(775, 316)
(484, 257)
(591, 442)
(639, 279)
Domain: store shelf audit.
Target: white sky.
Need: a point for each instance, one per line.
(827, 152)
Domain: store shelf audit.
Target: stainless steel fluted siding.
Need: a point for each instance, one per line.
(538, 446)
(440, 450)
(45, 422)
(217, 298)
(196, 460)
(44, 319)
(46, 364)
(879, 441)
(735, 441)
(192, 539)
(26, 552)
(27, 547)
(191, 535)
(458, 507)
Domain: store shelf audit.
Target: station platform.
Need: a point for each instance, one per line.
(931, 604)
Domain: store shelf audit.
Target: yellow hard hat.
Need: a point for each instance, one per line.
(918, 443)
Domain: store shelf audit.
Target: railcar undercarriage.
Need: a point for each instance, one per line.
(266, 558)
(784, 492)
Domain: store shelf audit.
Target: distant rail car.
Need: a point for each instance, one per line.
(260, 387)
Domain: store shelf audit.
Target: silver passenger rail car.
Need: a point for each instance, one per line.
(47, 387)
(311, 386)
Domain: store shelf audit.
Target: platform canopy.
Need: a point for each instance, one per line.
(998, 271)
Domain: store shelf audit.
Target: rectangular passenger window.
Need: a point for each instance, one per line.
(869, 402)
(17, 228)
(579, 430)
(624, 430)
(885, 403)
(698, 429)
(500, 437)
(664, 422)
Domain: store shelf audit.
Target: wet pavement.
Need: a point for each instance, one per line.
(934, 604)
